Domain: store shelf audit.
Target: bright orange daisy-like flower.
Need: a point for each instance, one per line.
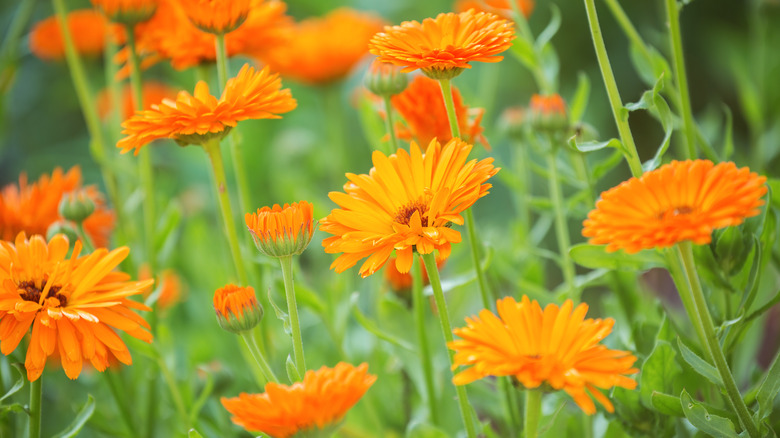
(556, 346)
(88, 28)
(70, 303)
(194, 119)
(127, 11)
(318, 403)
(498, 7)
(282, 231)
(153, 93)
(217, 16)
(407, 202)
(33, 208)
(683, 200)
(443, 46)
(325, 49)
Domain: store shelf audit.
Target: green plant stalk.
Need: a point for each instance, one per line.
(533, 412)
(36, 393)
(292, 310)
(331, 95)
(389, 124)
(419, 303)
(618, 110)
(525, 31)
(251, 343)
(84, 237)
(561, 227)
(120, 398)
(510, 406)
(673, 18)
(702, 317)
(449, 104)
(178, 400)
(220, 184)
(446, 327)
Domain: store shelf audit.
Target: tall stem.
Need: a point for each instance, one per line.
(618, 111)
(36, 393)
(446, 327)
(220, 183)
(419, 303)
(561, 226)
(708, 338)
(533, 412)
(673, 17)
(120, 397)
(292, 309)
(446, 92)
(251, 343)
(389, 124)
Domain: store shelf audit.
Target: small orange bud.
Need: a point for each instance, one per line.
(237, 308)
(548, 113)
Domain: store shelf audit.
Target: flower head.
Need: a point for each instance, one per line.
(444, 45)
(282, 231)
(217, 16)
(318, 403)
(683, 200)
(153, 93)
(548, 113)
(70, 303)
(237, 308)
(556, 346)
(324, 49)
(194, 119)
(407, 202)
(88, 29)
(384, 79)
(128, 12)
(498, 7)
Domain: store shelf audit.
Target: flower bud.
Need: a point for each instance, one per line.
(76, 206)
(513, 122)
(128, 12)
(282, 231)
(62, 227)
(384, 79)
(548, 113)
(237, 308)
(731, 247)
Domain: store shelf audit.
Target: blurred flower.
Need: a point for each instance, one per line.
(324, 49)
(237, 308)
(406, 203)
(498, 7)
(71, 304)
(217, 16)
(153, 93)
(401, 282)
(443, 46)
(33, 208)
(513, 121)
(318, 403)
(129, 12)
(194, 119)
(282, 231)
(88, 29)
(548, 113)
(384, 79)
(555, 346)
(683, 200)
(170, 287)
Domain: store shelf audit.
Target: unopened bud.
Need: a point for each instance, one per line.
(384, 79)
(548, 113)
(237, 308)
(76, 206)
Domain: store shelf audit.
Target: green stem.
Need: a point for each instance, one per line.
(673, 18)
(120, 397)
(561, 226)
(86, 242)
(533, 412)
(446, 327)
(618, 111)
(222, 67)
(510, 406)
(9, 48)
(446, 91)
(701, 316)
(536, 69)
(36, 392)
(178, 400)
(251, 343)
(389, 124)
(220, 183)
(419, 303)
(292, 309)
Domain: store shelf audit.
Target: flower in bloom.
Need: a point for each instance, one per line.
(683, 200)
(237, 308)
(88, 29)
(128, 12)
(556, 346)
(498, 7)
(318, 403)
(216, 16)
(71, 303)
(444, 45)
(282, 231)
(33, 208)
(194, 119)
(153, 93)
(407, 202)
(325, 49)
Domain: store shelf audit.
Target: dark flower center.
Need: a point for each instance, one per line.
(406, 212)
(32, 293)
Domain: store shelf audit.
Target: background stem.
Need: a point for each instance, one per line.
(292, 309)
(419, 304)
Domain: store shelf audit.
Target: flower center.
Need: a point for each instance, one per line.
(406, 212)
(29, 292)
(675, 211)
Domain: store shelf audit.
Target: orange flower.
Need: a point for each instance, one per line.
(282, 231)
(498, 7)
(406, 203)
(684, 200)
(88, 29)
(33, 208)
(325, 49)
(549, 112)
(170, 288)
(555, 346)
(153, 93)
(318, 403)
(237, 308)
(71, 304)
(422, 107)
(402, 281)
(216, 16)
(443, 46)
(194, 119)
(129, 12)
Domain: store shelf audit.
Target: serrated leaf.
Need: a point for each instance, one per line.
(698, 364)
(658, 372)
(372, 327)
(714, 425)
(81, 419)
(597, 257)
(18, 384)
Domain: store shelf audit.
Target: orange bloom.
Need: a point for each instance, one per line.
(237, 308)
(32, 208)
(683, 200)
(153, 93)
(88, 29)
(126, 11)
(282, 231)
(555, 346)
(498, 7)
(170, 288)
(317, 403)
(446, 44)
(325, 49)
(193, 119)
(71, 304)
(407, 202)
(216, 16)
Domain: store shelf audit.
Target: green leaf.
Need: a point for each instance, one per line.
(81, 419)
(280, 314)
(524, 52)
(607, 164)
(371, 327)
(552, 28)
(16, 407)
(597, 257)
(714, 425)
(167, 228)
(18, 384)
(373, 126)
(769, 389)
(667, 404)
(590, 146)
(654, 103)
(292, 371)
(658, 372)
(698, 364)
(580, 99)
(194, 434)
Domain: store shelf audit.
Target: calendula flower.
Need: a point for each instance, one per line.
(548, 113)
(443, 46)
(282, 231)
(683, 200)
(33, 208)
(88, 29)
(556, 347)
(71, 303)
(129, 12)
(153, 94)
(407, 202)
(194, 119)
(237, 308)
(317, 404)
(169, 291)
(324, 49)
(217, 16)
(498, 7)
